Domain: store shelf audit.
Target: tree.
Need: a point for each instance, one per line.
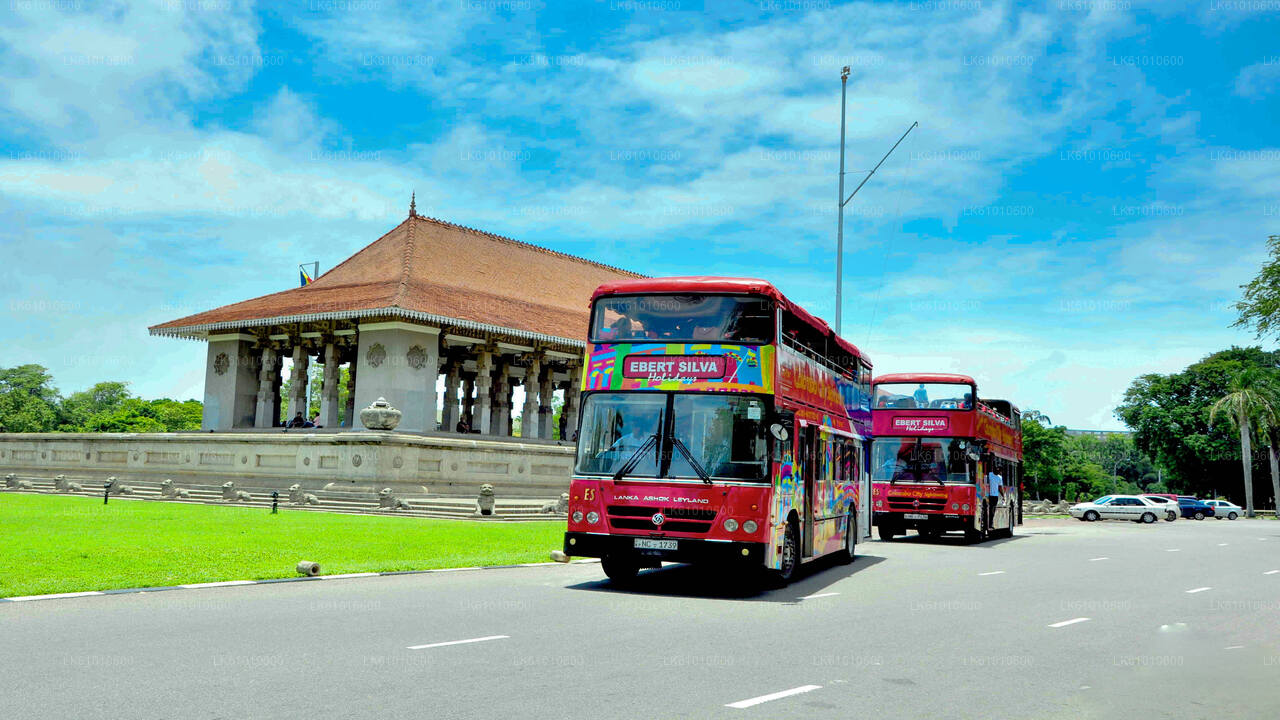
(1260, 308)
(1169, 415)
(28, 400)
(1043, 452)
(1252, 396)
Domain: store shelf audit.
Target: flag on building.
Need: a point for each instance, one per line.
(306, 278)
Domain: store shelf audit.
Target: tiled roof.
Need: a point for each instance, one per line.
(433, 271)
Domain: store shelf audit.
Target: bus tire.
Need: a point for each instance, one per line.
(972, 536)
(620, 567)
(790, 556)
(850, 539)
(886, 533)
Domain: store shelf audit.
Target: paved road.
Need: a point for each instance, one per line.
(909, 630)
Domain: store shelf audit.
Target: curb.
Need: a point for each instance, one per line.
(270, 581)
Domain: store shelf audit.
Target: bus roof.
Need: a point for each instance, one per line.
(924, 378)
(697, 284)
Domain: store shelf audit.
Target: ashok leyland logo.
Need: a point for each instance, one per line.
(658, 519)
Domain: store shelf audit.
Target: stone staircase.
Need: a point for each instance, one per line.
(434, 506)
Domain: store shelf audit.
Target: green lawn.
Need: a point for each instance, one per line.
(54, 544)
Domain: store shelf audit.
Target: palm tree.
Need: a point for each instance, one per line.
(1252, 395)
(1269, 428)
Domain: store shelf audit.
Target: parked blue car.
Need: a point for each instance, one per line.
(1194, 508)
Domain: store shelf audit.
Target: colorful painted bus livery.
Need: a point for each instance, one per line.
(720, 423)
(937, 446)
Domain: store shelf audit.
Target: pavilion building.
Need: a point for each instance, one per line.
(428, 299)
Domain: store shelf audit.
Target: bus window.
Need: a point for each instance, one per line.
(683, 318)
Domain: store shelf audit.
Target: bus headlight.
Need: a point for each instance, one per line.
(749, 526)
(964, 506)
(577, 516)
(879, 503)
(955, 506)
(731, 525)
(593, 517)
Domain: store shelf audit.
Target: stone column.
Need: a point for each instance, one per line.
(572, 396)
(230, 383)
(469, 398)
(430, 361)
(265, 416)
(508, 406)
(298, 381)
(482, 413)
(452, 379)
(329, 390)
(501, 401)
(529, 417)
(350, 410)
(546, 411)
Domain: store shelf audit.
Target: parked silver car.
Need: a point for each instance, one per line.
(1225, 509)
(1118, 507)
(1172, 511)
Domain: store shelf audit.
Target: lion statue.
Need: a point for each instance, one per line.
(231, 494)
(115, 487)
(62, 484)
(561, 505)
(486, 501)
(167, 490)
(298, 497)
(388, 501)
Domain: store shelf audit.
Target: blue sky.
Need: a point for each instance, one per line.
(1089, 185)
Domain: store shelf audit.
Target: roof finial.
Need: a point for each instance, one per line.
(413, 204)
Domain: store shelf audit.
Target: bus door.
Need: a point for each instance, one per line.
(812, 467)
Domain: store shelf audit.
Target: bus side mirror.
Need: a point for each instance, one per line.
(779, 432)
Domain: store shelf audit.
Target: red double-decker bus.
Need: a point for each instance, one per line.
(720, 423)
(943, 458)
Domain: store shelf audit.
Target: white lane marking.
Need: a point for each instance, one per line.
(1271, 572)
(458, 642)
(1233, 647)
(346, 575)
(1199, 589)
(1174, 550)
(1223, 544)
(218, 584)
(1072, 621)
(1097, 559)
(811, 597)
(24, 598)
(772, 696)
(993, 572)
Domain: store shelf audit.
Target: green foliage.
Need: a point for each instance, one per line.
(1043, 452)
(29, 403)
(1260, 307)
(28, 400)
(1171, 419)
(66, 544)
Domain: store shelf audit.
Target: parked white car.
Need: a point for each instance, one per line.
(1172, 511)
(1118, 507)
(1223, 509)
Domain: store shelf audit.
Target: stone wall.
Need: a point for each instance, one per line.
(365, 461)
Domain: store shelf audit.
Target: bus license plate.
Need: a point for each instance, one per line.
(916, 516)
(647, 544)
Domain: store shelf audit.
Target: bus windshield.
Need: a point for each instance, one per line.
(920, 460)
(683, 318)
(723, 434)
(923, 396)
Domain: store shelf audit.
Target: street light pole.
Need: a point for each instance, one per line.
(844, 83)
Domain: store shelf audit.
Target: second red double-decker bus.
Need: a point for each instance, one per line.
(720, 423)
(943, 459)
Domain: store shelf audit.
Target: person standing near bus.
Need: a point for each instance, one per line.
(993, 494)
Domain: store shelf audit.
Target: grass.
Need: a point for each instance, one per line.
(55, 544)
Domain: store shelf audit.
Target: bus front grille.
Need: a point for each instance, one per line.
(917, 504)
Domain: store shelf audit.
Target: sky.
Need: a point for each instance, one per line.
(1089, 184)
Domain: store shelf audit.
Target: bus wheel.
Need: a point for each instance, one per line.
(973, 536)
(790, 556)
(850, 539)
(886, 533)
(620, 568)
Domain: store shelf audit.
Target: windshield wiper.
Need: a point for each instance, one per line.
(634, 460)
(688, 456)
